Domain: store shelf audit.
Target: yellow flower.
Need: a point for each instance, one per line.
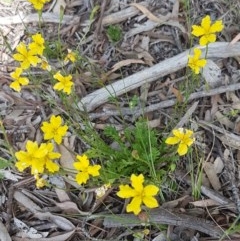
(85, 169)
(38, 4)
(40, 182)
(54, 129)
(33, 154)
(71, 56)
(194, 62)
(38, 158)
(26, 57)
(50, 155)
(37, 46)
(139, 193)
(183, 138)
(65, 83)
(18, 81)
(44, 64)
(207, 31)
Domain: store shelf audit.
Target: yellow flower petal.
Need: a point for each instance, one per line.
(150, 190)
(51, 166)
(150, 202)
(206, 22)
(82, 177)
(16, 86)
(197, 31)
(217, 27)
(135, 205)
(126, 191)
(94, 170)
(182, 149)
(137, 182)
(172, 140)
(83, 160)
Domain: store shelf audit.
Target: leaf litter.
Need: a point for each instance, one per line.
(152, 31)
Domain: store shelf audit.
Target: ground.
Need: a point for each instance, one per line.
(136, 53)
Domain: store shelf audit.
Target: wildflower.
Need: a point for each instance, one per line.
(139, 193)
(206, 31)
(64, 84)
(71, 56)
(194, 62)
(18, 81)
(100, 192)
(40, 182)
(44, 64)
(85, 170)
(38, 158)
(50, 155)
(38, 4)
(37, 46)
(54, 129)
(26, 57)
(183, 138)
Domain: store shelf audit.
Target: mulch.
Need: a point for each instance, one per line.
(152, 32)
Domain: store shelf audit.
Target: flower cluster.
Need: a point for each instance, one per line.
(38, 4)
(32, 55)
(27, 56)
(207, 33)
(85, 169)
(38, 158)
(182, 137)
(139, 194)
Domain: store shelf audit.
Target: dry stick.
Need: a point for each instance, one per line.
(162, 216)
(46, 17)
(68, 19)
(168, 66)
(164, 104)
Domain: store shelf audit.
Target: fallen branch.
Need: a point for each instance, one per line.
(168, 66)
(31, 18)
(161, 216)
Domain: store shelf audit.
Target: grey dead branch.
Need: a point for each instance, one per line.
(161, 216)
(148, 75)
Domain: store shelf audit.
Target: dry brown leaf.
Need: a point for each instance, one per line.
(67, 158)
(175, 10)
(218, 165)
(205, 203)
(235, 39)
(61, 222)
(212, 175)
(69, 207)
(4, 235)
(62, 195)
(177, 203)
(224, 120)
(125, 63)
(149, 15)
(177, 93)
(59, 237)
